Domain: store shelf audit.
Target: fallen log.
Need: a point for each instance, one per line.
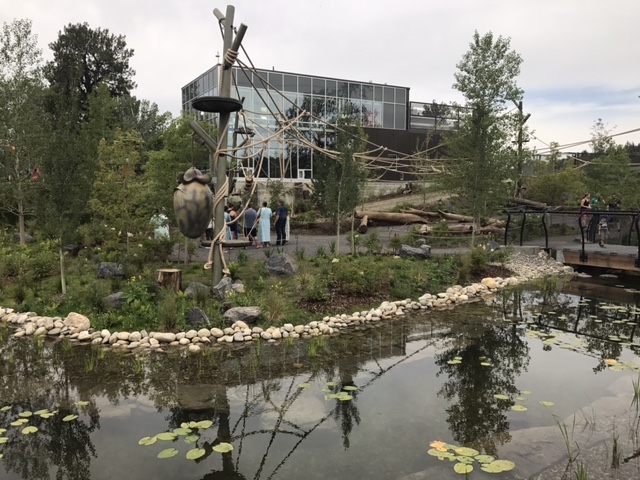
(422, 213)
(362, 228)
(402, 218)
(528, 203)
(455, 216)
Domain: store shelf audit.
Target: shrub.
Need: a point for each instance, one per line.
(371, 242)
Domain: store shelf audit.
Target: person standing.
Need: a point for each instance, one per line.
(234, 225)
(264, 225)
(585, 204)
(227, 221)
(282, 213)
(250, 216)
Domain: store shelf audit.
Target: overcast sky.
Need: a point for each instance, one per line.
(581, 57)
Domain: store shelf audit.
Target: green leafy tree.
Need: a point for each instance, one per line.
(115, 200)
(84, 58)
(609, 171)
(338, 184)
(179, 151)
(481, 163)
(23, 131)
(556, 187)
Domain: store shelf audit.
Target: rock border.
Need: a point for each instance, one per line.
(76, 327)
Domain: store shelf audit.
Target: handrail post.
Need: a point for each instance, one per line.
(506, 228)
(637, 218)
(583, 254)
(524, 221)
(546, 234)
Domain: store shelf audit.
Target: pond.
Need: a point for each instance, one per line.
(534, 377)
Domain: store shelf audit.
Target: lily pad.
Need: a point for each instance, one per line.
(182, 431)
(331, 384)
(40, 412)
(4, 439)
(47, 415)
(441, 455)
(454, 362)
(526, 392)
(519, 408)
(168, 453)
(485, 364)
(6, 408)
(148, 440)
(17, 423)
(191, 439)
(500, 396)
(223, 447)
(82, 403)
(29, 429)
(462, 468)
(204, 424)
(467, 452)
(25, 414)
(350, 388)
(2, 430)
(547, 404)
(195, 453)
(498, 466)
(484, 458)
(457, 358)
(304, 385)
(69, 418)
(463, 459)
(166, 436)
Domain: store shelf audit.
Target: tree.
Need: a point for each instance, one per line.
(609, 171)
(83, 58)
(482, 160)
(22, 123)
(115, 198)
(338, 184)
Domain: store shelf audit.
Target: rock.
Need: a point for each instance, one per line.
(238, 286)
(84, 336)
(276, 334)
(216, 332)
(109, 270)
(165, 337)
(114, 301)
(221, 289)
(196, 318)
(196, 289)
(281, 264)
(53, 332)
(135, 337)
(123, 336)
(240, 324)
(489, 283)
(288, 327)
(204, 333)
(238, 337)
(27, 238)
(72, 249)
(77, 321)
(184, 341)
(191, 334)
(410, 252)
(194, 349)
(248, 315)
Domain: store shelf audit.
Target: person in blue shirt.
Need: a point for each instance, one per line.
(281, 222)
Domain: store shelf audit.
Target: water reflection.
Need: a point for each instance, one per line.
(409, 375)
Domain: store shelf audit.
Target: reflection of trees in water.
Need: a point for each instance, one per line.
(475, 417)
(33, 378)
(553, 310)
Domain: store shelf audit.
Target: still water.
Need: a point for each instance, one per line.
(412, 382)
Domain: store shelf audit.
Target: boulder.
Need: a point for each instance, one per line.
(281, 264)
(424, 251)
(114, 301)
(109, 270)
(77, 321)
(195, 289)
(224, 286)
(196, 318)
(248, 315)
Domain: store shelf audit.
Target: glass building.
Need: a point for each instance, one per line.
(270, 97)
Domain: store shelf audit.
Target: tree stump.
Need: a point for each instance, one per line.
(362, 228)
(170, 278)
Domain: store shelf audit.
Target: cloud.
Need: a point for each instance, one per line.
(580, 56)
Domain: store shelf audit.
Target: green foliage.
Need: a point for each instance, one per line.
(371, 241)
(482, 158)
(338, 184)
(561, 187)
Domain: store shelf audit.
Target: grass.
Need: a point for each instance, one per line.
(636, 393)
(573, 450)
